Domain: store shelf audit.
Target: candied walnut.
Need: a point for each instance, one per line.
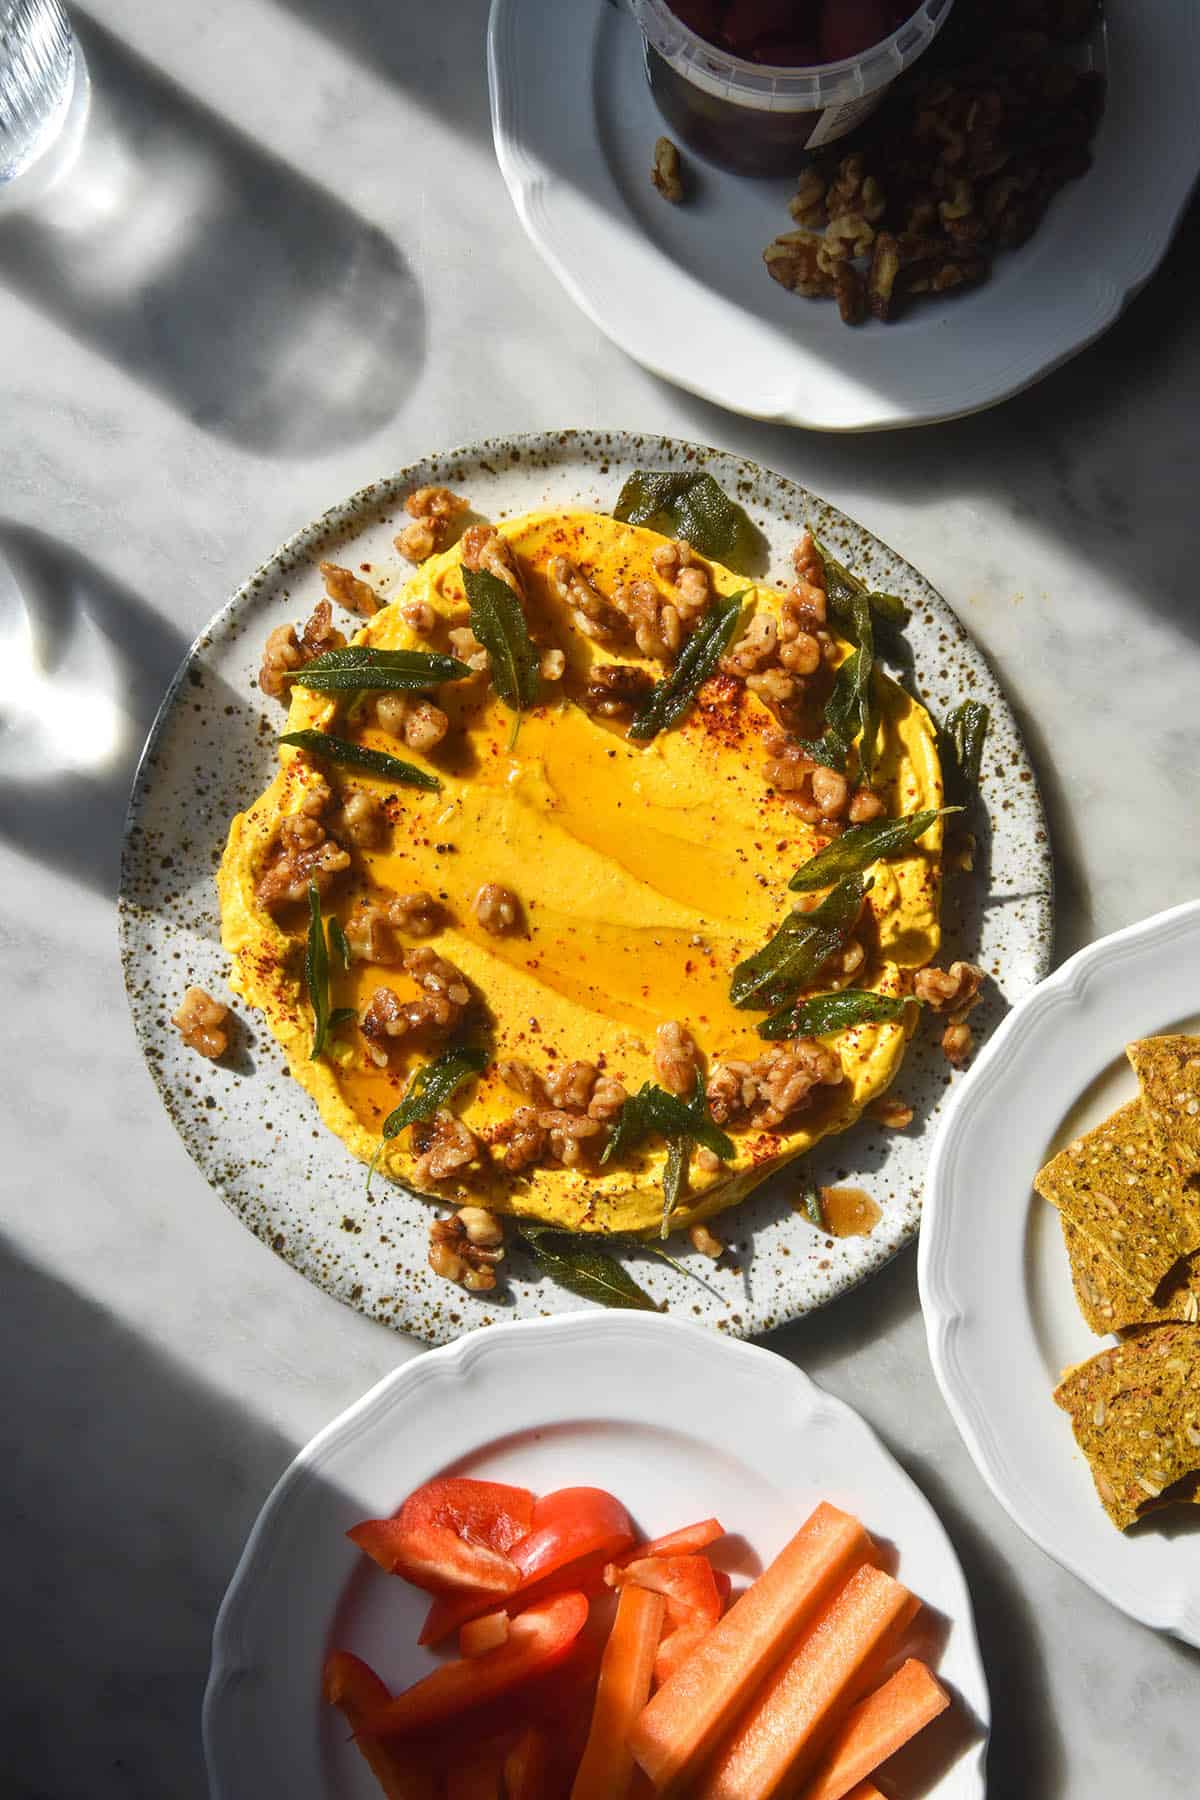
(616, 690)
(521, 1077)
(372, 927)
(732, 1091)
(657, 624)
(431, 509)
(708, 1160)
(853, 192)
(484, 548)
(344, 586)
(864, 806)
(436, 1011)
(521, 1138)
(789, 767)
(420, 723)
(830, 792)
(590, 611)
(452, 1255)
(800, 653)
(466, 646)
(666, 171)
(570, 1136)
(889, 1110)
(755, 649)
(807, 204)
(203, 1022)
(363, 820)
(608, 1097)
(420, 617)
(284, 653)
(954, 990)
(552, 665)
(497, 908)
(676, 1057)
(957, 1042)
(793, 260)
(774, 686)
(304, 852)
(703, 1240)
(786, 1076)
(676, 563)
(571, 1085)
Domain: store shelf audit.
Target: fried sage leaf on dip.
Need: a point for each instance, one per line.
(316, 976)
(824, 1014)
(850, 712)
(692, 506)
(430, 1087)
(863, 845)
(672, 698)
(654, 1112)
(499, 623)
(361, 669)
(1116, 1185)
(582, 1269)
(1168, 1072)
(803, 944)
(359, 756)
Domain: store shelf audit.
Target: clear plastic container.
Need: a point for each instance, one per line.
(760, 120)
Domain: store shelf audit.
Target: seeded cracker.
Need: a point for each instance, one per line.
(1111, 1302)
(1135, 1412)
(1168, 1072)
(1115, 1184)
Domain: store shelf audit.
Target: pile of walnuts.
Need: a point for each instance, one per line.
(962, 161)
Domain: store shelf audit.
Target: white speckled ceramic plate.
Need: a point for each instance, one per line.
(995, 1282)
(642, 1406)
(682, 289)
(256, 1135)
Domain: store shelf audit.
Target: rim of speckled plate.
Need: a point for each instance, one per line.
(732, 1296)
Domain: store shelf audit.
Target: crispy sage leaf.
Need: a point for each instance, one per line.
(358, 756)
(361, 668)
(962, 747)
(692, 506)
(841, 586)
(429, 1088)
(679, 1153)
(316, 976)
(654, 1112)
(824, 1014)
(802, 945)
(811, 1203)
(671, 698)
(584, 1270)
(862, 845)
(341, 947)
(499, 624)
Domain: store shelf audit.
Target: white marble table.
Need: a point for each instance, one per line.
(293, 266)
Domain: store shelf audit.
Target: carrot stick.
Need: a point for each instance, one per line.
(607, 1767)
(866, 1790)
(357, 1691)
(687, 1716)
(775, 1739)
(876, 1729)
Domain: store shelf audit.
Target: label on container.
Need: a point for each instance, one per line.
(836, 121)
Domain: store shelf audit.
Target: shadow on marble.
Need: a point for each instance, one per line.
(253, 300)
(128, 1492)
(84, 664)
(437, 54)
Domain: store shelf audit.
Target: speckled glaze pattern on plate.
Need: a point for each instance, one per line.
(256, 1135)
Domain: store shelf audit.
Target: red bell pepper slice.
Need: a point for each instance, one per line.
(357, 1691)
(685, 1582)
(689, 1540)
(568, 1524)
(448, 1613)
(452, 1534)
(537, 1639)
(525, 1767)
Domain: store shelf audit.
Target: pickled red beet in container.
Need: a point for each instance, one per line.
(793, 33)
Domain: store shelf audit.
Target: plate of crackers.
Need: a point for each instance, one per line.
(1060, 1267)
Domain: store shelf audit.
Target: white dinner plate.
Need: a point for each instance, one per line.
(677, 1422)
(683, 289)
(995, 1283)
(256, 1134)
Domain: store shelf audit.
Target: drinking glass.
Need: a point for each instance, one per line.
(37, 79)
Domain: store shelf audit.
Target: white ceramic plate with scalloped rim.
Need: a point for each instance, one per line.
(256, 1135)
(676, 1421)
(995, 1284)
(683, 290)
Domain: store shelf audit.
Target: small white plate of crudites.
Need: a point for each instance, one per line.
(640, 1429)
(545, 900)
(1015, 207)
(1060, 1263)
